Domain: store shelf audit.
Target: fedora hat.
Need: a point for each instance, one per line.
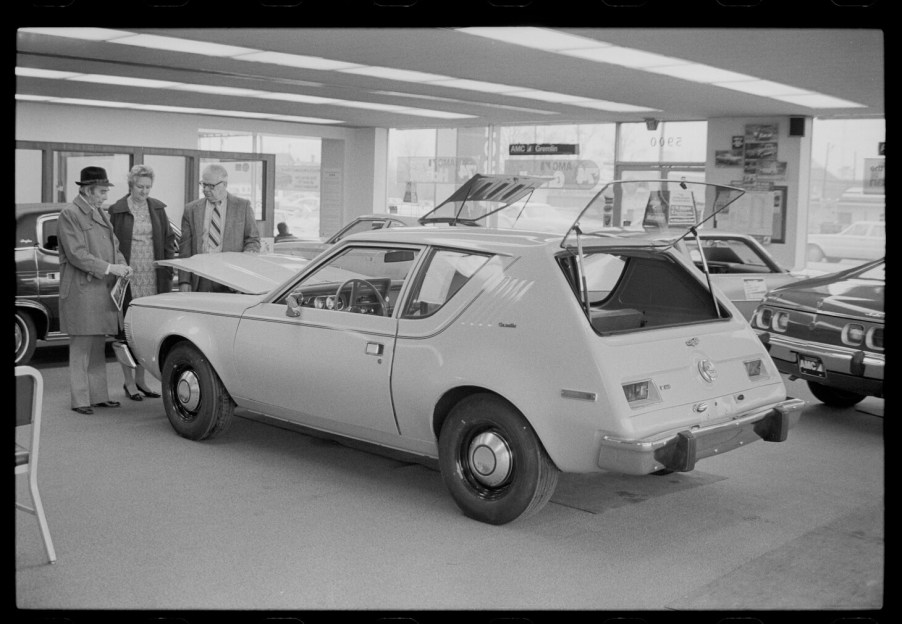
(94, 175)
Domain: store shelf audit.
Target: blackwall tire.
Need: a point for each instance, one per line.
(492, 462)
(833, 396)
(197, 404)
(26, 338)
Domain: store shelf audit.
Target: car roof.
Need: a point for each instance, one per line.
(488, 239)
(39, 208)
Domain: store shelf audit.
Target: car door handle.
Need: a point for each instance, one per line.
(374, 348)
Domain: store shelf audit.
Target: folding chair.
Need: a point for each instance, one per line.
(29, 403)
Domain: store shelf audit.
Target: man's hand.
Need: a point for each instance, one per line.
(120, 270)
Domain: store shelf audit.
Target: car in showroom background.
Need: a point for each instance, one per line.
(506, 357)
(828, 330)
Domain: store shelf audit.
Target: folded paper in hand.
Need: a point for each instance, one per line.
(118, 292)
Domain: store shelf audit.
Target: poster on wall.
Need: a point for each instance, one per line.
(761, 213)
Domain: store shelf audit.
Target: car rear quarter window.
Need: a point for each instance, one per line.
(446, 271)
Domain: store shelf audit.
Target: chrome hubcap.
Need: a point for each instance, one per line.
(490, 459)
(187, 390)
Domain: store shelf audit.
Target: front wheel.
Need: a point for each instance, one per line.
(197, 403)
(492, 462)
(833, 396)
(26, 338)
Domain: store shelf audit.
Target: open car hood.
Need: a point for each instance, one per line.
(481, 196)
(250, 273)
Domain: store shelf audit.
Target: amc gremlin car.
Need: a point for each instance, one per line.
(828, 330)
(506, 356)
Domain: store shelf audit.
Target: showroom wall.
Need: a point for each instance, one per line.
(771, 158)
(354, 153)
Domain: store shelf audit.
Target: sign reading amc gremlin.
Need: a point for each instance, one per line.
(509, 356)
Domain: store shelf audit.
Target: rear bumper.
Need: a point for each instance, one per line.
(680, 451)
(845, 368)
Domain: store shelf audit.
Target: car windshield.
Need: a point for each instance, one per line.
(668, 207)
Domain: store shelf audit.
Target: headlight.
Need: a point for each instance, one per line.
(762, 317)
(853, 334)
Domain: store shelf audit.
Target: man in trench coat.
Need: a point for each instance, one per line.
(90, 263)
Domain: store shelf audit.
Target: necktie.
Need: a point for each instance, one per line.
(215, 233)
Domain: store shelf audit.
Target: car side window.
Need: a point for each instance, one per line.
(48, 232)
(362, 280)
(445, 273)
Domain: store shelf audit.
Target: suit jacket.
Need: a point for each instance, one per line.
(87, 246)
(163, 238)
(239, 231)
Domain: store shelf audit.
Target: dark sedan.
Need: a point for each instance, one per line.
(828, 330)
(37, 277)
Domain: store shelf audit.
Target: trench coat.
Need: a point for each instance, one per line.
(87, 246)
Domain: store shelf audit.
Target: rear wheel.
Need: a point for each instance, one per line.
(833, 396)
(197, 403)
(492, 462)
(26, 338)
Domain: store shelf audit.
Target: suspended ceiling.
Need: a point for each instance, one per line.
(845, 63)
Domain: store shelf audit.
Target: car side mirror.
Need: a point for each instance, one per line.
(293, 308)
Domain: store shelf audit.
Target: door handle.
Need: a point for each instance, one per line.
(374, 348)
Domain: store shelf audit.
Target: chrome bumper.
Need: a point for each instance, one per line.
(680, 451)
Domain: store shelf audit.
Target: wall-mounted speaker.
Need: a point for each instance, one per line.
(797, 126)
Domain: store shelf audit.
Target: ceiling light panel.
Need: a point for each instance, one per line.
(125, 81)
(540, 38)
(86, 34)
(189, 46)
(32, 72)
(295, 60)
(391, 73)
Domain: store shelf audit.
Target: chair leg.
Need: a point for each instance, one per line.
(42, 519)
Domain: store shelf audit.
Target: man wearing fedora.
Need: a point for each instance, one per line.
(217, 222)
(90, 263)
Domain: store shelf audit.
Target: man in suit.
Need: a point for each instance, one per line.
(90, 263)
(217, 222)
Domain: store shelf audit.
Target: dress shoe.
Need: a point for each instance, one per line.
(133, 397)
(106, 404)
(83, 410)
(150, 394)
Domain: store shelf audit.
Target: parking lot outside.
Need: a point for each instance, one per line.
(275, 519)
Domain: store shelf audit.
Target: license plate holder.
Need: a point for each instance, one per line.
(811, 365)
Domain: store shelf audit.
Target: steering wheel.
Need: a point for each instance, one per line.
(353, 282)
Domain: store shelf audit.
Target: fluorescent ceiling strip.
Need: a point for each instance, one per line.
(295, 60)
(540, 38)
(52, 74)
(626, 57)
(816, 100)
(602, 52)
(189, 46)
(124, 81)
(87, 34)
(765, 88)
(176, 109)
(418, 96)
(475, 85)
(392, 73)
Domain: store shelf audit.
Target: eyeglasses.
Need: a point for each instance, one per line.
(207, 185)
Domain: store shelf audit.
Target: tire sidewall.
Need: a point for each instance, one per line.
(472, 416)
(209, 418)
(26, 326)
(833, 396)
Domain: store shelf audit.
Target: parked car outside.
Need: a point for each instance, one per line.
(37, 278)
(828, 330)
(311, 248)
(864, 240)
(740, 266)
(505, 356)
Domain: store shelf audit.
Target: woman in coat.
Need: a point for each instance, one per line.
(145, 234)
(90, 263)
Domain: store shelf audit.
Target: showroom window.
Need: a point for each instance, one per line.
(427, 165)
(297, 180)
